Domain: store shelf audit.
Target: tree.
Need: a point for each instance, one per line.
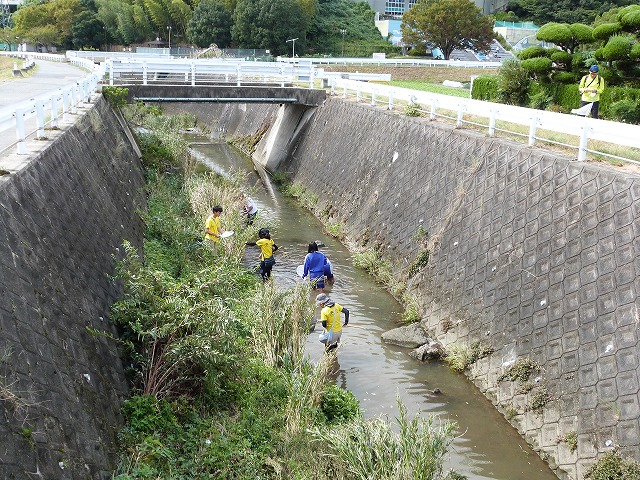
(562, 11)
(568, 37)
(210, 23)
(87, 31)
(47, 23)
(269, 24)
(447, 25)
(356, 19)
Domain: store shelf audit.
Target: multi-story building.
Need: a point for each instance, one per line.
(395, 8)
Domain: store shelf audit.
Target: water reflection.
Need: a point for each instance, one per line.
(487, 446)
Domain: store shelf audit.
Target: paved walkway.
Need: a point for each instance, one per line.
(48, 77)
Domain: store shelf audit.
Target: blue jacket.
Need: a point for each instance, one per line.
(314, 264)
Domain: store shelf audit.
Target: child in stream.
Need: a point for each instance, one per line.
(267, 247)
(330, 317)
(213, 228)
(317, 267)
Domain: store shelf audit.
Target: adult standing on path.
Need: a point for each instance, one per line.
(591, 87)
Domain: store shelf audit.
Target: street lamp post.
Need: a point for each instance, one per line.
(169, 28)
(343, 32)
(293, 43)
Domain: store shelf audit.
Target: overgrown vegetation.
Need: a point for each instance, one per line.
(571, 439)
(116, 96)
(613, 466)
(220, 385)
(520, 371)
(459, 358)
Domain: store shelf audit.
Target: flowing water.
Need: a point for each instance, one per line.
(487, 447)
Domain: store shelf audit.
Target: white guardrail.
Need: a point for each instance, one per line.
(50, 108)
(456, 108)
(151, 70)
(147, 71)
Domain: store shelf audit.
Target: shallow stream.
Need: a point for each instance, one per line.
(487, 447)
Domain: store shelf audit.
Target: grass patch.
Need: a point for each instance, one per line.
(430, 87)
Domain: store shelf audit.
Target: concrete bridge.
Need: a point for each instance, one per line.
(296, 107)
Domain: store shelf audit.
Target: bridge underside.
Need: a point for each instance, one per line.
(231, 94)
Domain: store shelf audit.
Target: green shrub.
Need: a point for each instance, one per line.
(618, 47)
(562, 57)
(612, 466)
(116, 96)
(412, 110)
(538, 66)
(634, 54)
(606, 30)
(564, 77)
(533, 52)
(625, 111)
(339, 405)
(540, 97)
(513, 83)
(485, 88)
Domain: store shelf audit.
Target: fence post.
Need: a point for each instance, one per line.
(74, 98)
(333, 86)
(460, 112)
(238, 75)
(54, 111)
(193, 74)
(65, 105)
(358, 93)
(432, 116)
(584, 138)
(492, 122)
(20, 133)
(144, 73)
(390, 99)
(532, 130)
(111, 72)
(40, 119)
(373, 97)
(344, 95)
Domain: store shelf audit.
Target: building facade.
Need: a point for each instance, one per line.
(395, 8)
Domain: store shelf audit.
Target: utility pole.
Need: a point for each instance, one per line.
(169, 28)
(343, 32)
(293, 42)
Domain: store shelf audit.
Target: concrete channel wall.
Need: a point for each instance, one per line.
(62, 218)
(533, 256)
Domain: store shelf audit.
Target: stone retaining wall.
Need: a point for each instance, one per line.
(62, 218)
(532, 255)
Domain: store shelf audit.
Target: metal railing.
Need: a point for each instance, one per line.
(147, 71)
(392, 62)
(49, 109)
(463, 111)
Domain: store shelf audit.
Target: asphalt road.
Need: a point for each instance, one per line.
(47, 78)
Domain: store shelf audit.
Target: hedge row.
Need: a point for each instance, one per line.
(616, 103)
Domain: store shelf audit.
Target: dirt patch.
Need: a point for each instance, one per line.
(425, 74)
